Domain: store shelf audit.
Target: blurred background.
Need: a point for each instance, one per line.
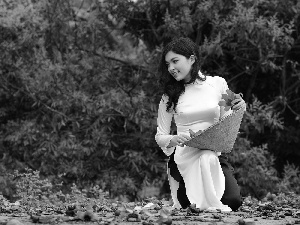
(79, 89)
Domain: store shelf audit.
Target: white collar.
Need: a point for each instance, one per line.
(197, 81)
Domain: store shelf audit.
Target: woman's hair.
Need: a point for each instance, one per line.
(173, 88)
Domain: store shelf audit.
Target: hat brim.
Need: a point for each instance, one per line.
(221, 136)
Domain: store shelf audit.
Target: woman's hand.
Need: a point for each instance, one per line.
(179, 140)
(238, 103)
(193, 134)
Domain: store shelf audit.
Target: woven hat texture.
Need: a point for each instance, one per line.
(219, 137)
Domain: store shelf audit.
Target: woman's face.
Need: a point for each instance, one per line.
(179, 66)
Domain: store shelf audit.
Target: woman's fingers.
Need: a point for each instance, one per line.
(182, 138)
(187, 137)
(237, 103)
(234, 101)
(198, 132)
(238, 106)
(192, 133)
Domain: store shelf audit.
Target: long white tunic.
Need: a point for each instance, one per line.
(197, 109)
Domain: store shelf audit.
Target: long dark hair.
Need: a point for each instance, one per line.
(173, 88)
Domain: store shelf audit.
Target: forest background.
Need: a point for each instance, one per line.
(79, 89)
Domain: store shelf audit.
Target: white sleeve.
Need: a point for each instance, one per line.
(164, 120)
(223, 87)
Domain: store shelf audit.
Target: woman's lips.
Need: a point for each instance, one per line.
(174, 74)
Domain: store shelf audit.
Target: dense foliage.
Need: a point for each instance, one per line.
(79, 89)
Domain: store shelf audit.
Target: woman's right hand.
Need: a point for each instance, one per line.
(179, 140)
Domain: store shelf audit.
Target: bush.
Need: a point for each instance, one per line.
(254, 165)
(79, 93)
(69, 109)
(254, 169)
(291, 179)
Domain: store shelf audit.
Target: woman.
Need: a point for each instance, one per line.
(196, 176)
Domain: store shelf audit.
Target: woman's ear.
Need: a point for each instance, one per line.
(193, 59)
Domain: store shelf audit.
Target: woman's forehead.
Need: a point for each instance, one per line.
(171, 55)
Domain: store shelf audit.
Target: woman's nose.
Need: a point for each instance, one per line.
(170, 67)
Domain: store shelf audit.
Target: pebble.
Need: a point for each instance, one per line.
(241, 222)
(132, 219)
(117, 212)
(246, 209)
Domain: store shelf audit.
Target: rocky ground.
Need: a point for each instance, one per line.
(283, 209)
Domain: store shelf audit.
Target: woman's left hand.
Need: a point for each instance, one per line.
(238, 103)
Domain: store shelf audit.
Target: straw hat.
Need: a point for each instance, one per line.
(219, 137)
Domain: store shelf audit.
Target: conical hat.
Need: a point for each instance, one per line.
(219, 137)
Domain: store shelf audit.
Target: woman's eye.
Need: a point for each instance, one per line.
(175, 61)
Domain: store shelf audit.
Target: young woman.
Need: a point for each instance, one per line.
(196, 176)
